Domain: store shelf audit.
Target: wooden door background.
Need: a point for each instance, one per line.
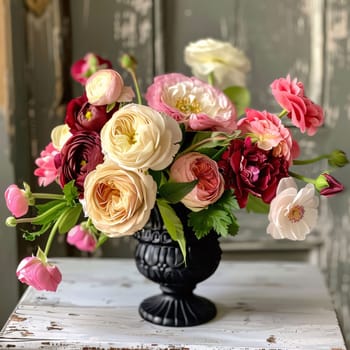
(307, 38)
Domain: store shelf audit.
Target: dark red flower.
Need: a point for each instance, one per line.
(80, 155)
(83, 68)
(334, 186)
(81, 115)
(249, 169)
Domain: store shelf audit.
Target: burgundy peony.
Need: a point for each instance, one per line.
(248, 169)
(80, 155)
(81, 115)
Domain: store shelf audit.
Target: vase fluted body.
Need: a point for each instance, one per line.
(159, 258)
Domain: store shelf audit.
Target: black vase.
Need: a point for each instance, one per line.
(159, 258)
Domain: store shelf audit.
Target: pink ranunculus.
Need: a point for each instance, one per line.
(38, 274)
(305, 115)
(196, 166)
(313, 117)
(193, 102)
(105, 87)
(248, 169)
(82, 238)
(16, 200)
(83, 68)
(46, 171)
(268, 132)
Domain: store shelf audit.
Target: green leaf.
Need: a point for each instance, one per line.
(42, 208)
(257, 205)
(218, 217)
(50, 214)
(31, 235)
(70, 193)
(173, 225)
(240, 96)
(110, 107)
(69, 218)
(158, 177)
(173, 192)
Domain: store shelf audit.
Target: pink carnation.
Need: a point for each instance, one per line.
(268, 132)
(305, 114)
(46, 170)
(193, 102)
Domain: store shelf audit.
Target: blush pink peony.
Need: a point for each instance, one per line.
(191, 101)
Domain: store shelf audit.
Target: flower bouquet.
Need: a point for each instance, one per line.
(188, 141)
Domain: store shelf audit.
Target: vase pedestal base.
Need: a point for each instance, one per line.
(177, 311)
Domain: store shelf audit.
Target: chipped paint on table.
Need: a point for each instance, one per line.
(260, 306)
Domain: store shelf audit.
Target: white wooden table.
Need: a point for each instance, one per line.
(260, 306)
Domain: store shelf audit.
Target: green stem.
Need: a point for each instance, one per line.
(283, 113)
(211, 78)
(201, 143)
(302, 178)
(42, 216)
(310, 161)
(51, 237)
(47, 196)
(136, 84)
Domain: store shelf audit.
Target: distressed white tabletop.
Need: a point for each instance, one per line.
(260, 306)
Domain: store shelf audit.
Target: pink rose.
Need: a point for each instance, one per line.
(193, 102)
(16, 200)
(83, 68)
(105, 87)
(305, 114)
(46, 170)
(196, 166)
(268, 132)
(82, 238)
(38, 274)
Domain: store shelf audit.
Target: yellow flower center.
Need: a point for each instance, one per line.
(88, 115)
(83, 163)
(296, 213)
(188, 106)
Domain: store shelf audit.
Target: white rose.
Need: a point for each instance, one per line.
(59, 135)
(118, 201)
(228, 64)
(138, 137)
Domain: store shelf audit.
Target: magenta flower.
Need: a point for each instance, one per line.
(16, 200)
(268, 132)
(328, 185)
(305, 114)
(197, 166)
(46, 171)
(81, 115)
(248, 169)
(38, 274)
(191, 101)
(82, 238)
(83, 68)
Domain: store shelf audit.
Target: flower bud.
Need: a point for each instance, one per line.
(338, 159)
(11, 221)
(327, 185)
(128, 62)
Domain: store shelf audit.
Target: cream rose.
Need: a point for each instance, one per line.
(228, 64)
(118, 201)
(59, 135)
(105, 87)
(138, 137)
